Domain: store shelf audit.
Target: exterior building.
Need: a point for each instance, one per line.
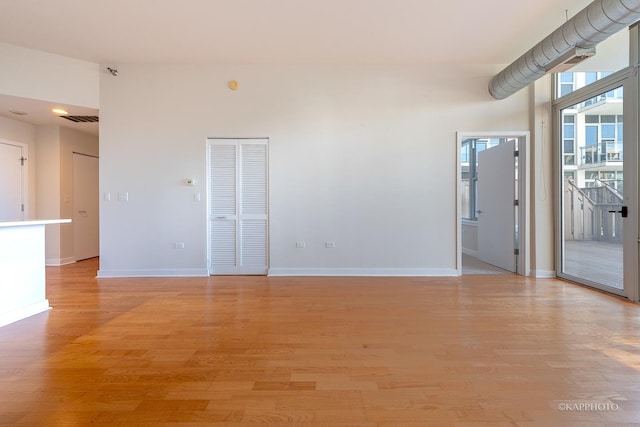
(592, 161)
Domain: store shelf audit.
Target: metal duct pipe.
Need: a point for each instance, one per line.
(589, 27)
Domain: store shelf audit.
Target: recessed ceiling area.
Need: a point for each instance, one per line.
(40, 113)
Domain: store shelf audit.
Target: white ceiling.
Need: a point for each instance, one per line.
(115, 32)
(283, 31)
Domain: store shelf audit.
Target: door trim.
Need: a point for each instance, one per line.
(524, 264)
(631, 133)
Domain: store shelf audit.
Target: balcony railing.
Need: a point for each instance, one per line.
(588, 213)
(601, 153)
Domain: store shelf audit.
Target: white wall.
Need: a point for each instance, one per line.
(32, 74)
(542, 183)
(362, 156)
(56, 145)
(50, 180)
(38, 75)
(48, 185)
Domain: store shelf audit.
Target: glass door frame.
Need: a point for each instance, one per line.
(628, 79)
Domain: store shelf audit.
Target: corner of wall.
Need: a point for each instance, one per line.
(542, 245)
(48, 185)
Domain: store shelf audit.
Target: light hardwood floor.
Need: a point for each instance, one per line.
(248, 351)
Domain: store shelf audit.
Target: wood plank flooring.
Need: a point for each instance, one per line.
(248, 351)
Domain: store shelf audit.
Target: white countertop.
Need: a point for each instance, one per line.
(33, 222)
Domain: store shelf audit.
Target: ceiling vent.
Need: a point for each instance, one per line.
(82, 119)
(569, 59)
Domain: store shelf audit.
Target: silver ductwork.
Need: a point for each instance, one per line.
(569, 44)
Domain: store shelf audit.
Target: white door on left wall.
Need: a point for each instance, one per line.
(12, 181)
(497, 175)
(86, 225)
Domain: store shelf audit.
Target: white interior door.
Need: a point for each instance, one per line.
(238, 206)
(86, 240)
(12, 182)
(496, 207)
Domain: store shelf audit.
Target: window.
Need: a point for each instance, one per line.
(603, 136)
(569, 130)
(608, 131)
(568, 82)
(591, 133)
(469, 150)
(464, 154)
(568, 136)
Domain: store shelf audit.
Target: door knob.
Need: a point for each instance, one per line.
(623, 211)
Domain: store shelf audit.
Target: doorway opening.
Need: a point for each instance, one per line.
(592, 177)
(86, 200)
(492, 191)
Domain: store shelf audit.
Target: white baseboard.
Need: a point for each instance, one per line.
(353, 272)
(184, 272)
(365, 272)
(56, 262)
(544, 274)
(24, 312)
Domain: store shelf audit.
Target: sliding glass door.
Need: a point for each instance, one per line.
(596, 117)
(592, 188)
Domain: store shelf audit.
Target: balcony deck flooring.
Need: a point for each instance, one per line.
(599, 262)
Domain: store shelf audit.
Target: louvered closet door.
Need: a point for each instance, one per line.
(238, 205)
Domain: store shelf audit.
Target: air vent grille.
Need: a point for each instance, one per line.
(82, 119)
